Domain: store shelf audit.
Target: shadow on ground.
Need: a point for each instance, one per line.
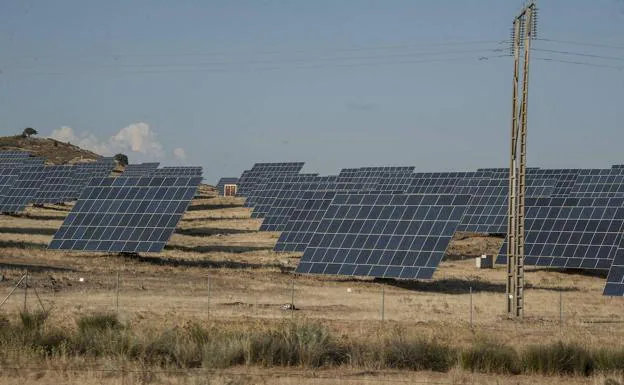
(22, 245)
(160, 261)
(216, 206)
(459, 286)
(34, 268)
(206, 231)
(235, 249)
(27, 230)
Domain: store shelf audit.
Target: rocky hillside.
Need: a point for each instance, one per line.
(54, 151)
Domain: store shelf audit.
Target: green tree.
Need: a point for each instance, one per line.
(122, 159)
(28, 132)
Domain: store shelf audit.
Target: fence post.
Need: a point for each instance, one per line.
(471, 307)
(292, 300)
(209, 297)
(12, 290)
(117, 293)
(560, 309)
(383, 304)
(25, 290)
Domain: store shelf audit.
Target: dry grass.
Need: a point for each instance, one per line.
(54, 151)
(218, 246)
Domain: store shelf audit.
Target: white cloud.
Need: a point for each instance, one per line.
(180, 154)
(135, 138)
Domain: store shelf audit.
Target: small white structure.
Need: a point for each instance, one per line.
(485, 262)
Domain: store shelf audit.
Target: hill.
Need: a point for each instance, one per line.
(54, 151)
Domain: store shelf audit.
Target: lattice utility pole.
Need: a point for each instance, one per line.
(524, 29)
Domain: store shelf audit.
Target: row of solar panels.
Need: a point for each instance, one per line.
(27, 180)
(136, 211)
(394, 222)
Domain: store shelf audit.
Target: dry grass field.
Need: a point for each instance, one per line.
(219, 270)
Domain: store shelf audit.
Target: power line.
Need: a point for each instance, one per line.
(261, 53)
(172, 67)
(586, 44)
(580, 63)
(284, 61)
(582, 54)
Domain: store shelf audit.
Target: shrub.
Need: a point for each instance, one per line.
(558, 359)
(401, 352)
(173, 348)
(33, 321)
(609, 360)
(98, 322)
(490, 357)
(296, 344)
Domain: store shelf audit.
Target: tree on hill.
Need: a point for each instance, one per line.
(28, 132)
(122, 159)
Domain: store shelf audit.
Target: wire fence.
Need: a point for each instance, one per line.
(473, 306)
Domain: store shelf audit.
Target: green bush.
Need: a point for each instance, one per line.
(490, 357)
(558, 359)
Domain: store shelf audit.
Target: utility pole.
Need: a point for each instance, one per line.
(524, 29)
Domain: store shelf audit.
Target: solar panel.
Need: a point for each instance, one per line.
(599, 183)
(615, 279)
(304, 221)
(487, 209)
(260, 171)
(8, 176)
(126, 215)
(572, 232)
(140, 169)
(188, 171)
(25, 186)
(11, 155)
(283, 207)
(57, 186)
(84, 172)
(436, 182)
(566, 178)
(383, 235)
(278, 188)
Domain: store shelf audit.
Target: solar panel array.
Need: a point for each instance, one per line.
(126, 215)
(10, 155)
(487, 211)
(260, 171)
(588, 238)
(188, 171)
(28, 181)
(615, 279)
(57, 185)
(383, 235)
(572, 232)
(277, 189)
(140, 169)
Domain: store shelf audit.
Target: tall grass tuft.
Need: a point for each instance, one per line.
(558, 359)
(415, 353)
(295, 344)
(488, 356)
(609, 360)
(33, 321)
(102, 335)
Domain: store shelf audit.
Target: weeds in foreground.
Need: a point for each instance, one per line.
(291, 344)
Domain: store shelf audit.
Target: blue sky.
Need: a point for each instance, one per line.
(336, 84)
